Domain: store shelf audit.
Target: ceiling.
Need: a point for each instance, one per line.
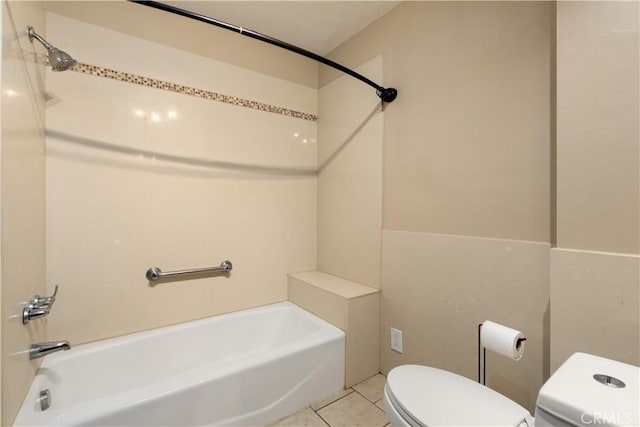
(318, 26)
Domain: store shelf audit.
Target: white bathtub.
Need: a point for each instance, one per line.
(246, 368)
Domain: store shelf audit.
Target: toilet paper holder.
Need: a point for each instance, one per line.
(482, 363)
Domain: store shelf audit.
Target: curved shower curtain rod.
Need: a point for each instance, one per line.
(386, 94)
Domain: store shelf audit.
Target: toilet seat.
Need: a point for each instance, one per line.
(395, 413)
(423, 396)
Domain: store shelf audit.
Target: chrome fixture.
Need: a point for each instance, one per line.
(154, 273)
(46, 302)
(44, 399)
(43, 348)
(38, 307)
(32, 313)
(59, 59)
(609, 381)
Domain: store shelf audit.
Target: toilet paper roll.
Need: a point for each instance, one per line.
(502, 340)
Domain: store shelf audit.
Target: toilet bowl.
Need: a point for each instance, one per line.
(418, 396)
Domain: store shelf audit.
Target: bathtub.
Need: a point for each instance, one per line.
(251, 367)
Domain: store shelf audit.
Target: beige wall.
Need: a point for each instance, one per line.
(2, 13)
(459, 158)
(598, 132)
(22, 199)
(595, 274)
(469, 150)
(467, 153)
(113, 213)
(191, 36)
(350, 177)
(438, 288)
(595, 300)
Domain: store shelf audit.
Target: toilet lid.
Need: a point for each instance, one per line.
(433, 397)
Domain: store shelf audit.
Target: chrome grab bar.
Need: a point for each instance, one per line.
(154, 273)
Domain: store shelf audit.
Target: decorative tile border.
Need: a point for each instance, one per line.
(95, 70)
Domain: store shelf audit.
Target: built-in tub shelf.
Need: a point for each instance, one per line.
(352, 307)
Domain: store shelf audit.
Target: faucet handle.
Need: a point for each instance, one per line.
(31, 313)
(42, 302)
(38, 307)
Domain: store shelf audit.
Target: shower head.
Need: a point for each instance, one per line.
(59, 59)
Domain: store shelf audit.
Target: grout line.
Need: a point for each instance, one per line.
(388, 424)
(381, 407)
(334, 401)
(367, 399)
(323, 420)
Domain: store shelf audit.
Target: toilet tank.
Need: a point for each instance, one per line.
(589, 390)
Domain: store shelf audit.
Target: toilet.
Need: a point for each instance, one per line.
(586, 390)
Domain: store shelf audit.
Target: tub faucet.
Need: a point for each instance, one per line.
(42, 349)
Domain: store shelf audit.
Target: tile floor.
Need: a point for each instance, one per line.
(360, 405)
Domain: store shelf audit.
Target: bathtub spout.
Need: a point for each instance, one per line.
(42, 349)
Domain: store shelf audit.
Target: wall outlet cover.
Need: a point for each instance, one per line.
(396, 340)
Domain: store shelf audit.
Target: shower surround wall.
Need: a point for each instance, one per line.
(350, 177)
(22, 199)
(349, 217)
(117, 206)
